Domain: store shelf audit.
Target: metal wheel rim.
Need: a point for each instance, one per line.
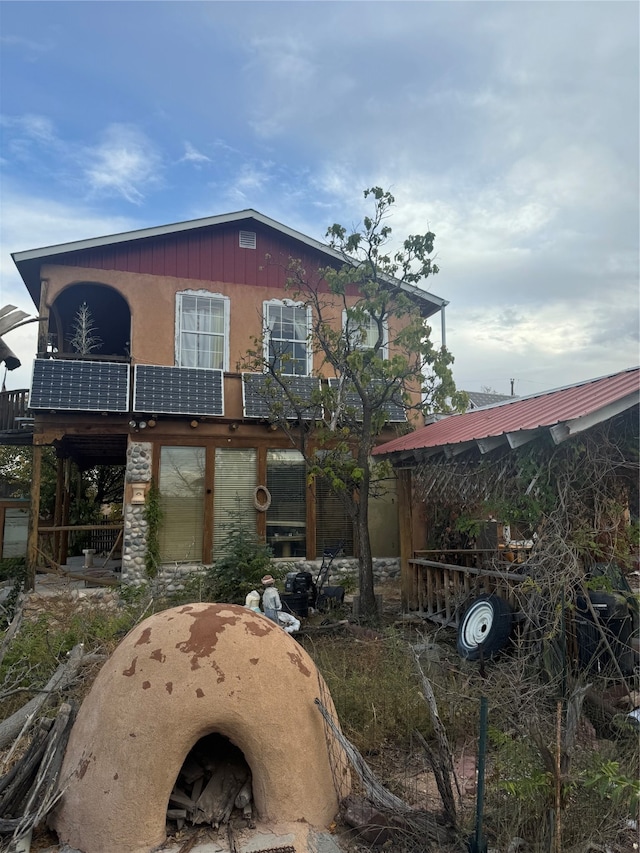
(477, 624)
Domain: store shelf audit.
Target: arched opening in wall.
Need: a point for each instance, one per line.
(90, 319)
(213, 788)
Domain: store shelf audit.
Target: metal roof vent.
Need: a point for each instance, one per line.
(247, 240)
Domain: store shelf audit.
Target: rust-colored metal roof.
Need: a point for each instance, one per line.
(564, 411)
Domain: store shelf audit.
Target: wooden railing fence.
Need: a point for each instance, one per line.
(13, 405)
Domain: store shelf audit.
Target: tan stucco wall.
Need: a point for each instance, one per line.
(152, 303)
(177, 677)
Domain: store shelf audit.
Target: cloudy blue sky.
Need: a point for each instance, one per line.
(510, 129)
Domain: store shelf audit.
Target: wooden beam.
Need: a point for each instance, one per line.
(209, 496)
(311, 521)
(261, 474)
(66, 501)
(57, 512)
(69, 527)
(43, 314)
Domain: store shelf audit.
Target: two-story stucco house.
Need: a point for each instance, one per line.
(173, 311)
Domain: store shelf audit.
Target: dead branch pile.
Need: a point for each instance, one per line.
(380, 817)
(61, 679)
(30, 790)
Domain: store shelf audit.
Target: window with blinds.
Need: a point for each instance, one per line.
(333, 525)
(234, 485)
(287, 515)
(181, 488)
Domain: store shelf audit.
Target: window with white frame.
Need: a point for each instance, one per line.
(202, 330)
(287, 346)
(362, 333)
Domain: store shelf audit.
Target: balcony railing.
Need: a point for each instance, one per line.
(14, 409)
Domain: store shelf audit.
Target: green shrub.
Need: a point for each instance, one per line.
(244, 562)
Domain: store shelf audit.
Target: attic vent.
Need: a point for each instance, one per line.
(247, 239)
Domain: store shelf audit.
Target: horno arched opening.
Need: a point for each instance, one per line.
(214, 786)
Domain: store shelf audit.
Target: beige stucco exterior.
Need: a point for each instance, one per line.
(152, 305)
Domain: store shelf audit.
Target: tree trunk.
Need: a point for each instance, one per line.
(368, 607)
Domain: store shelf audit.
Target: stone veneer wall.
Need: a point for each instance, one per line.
(171, 577)
(134, 543)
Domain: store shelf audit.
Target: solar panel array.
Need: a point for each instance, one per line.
(178, 391)
(395, 411)
(80, 386)
(264, 398)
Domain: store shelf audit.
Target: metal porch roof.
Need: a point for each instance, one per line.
(563, 411)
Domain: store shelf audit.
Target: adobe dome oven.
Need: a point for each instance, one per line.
(177, 678)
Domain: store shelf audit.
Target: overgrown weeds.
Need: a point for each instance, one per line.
(376, 691)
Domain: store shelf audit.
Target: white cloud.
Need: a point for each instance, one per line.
(124, 164)
(250, 181)
(28, 46)
(192, 155)
(36, 127)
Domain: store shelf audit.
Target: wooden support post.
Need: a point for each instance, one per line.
(261, 474)
(57, 512)
(430, 591)
(34, 515)
(43, 314)
(311, 522)
(209, 495)
(446, 585)
(409, 592)
(66, 501)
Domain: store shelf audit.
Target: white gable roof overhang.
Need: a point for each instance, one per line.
(430, 303)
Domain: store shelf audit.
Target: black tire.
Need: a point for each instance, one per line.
(485, 627)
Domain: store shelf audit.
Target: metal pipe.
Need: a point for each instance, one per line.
(480, 845)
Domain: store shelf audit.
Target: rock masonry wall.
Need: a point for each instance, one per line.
(134, 544)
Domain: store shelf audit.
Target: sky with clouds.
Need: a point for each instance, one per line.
(510, 129)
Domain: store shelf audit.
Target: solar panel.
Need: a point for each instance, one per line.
(263, 397)
(80, 386)
(395, 411)
(178, 390)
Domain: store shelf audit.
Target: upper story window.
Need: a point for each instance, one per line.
(364, 334)
(202, 333)
(287, 346)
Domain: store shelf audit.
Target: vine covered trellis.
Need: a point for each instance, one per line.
(578, 501)
(579, 497)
